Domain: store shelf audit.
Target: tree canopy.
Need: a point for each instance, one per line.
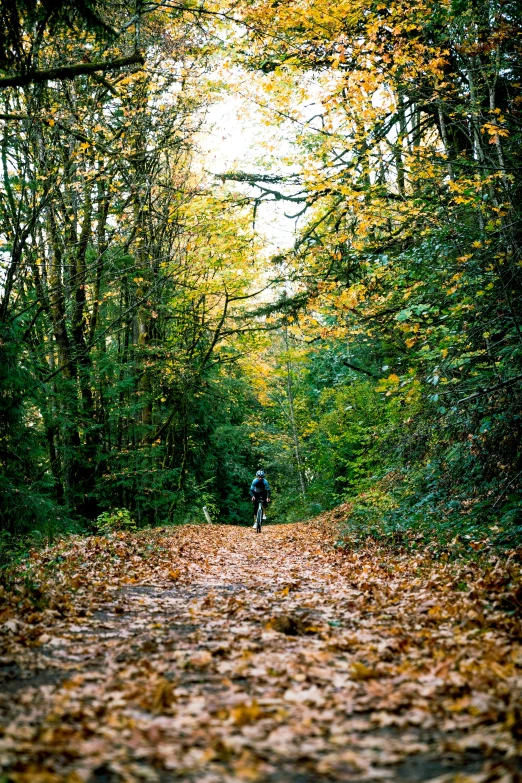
(151, 359)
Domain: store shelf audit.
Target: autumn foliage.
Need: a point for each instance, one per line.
(210, 653)
(405, 272)
(155, 350)
(152, 357)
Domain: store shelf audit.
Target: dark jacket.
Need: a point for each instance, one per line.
(260, 488)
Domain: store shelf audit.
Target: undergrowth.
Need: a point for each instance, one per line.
(398, 514)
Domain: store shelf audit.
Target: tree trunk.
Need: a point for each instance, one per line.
(295, 436)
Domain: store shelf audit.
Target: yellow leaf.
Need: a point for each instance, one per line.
(244, 714)
(359, 671)
(163, 695)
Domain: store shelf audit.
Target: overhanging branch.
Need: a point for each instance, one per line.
(492, 389)
(359, 369)
(70, 71)
(252, 179)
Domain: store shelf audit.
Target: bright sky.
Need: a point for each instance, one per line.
(237, 140)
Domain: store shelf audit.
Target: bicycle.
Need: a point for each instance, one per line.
(260, 515)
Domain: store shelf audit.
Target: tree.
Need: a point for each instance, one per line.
(125, 292)
(409, 251)
(28, 28)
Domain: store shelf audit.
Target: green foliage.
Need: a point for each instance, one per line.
(126, 314)
(27, 509)
(117, 519)
(419, 520)
(408, 265)
(132, 375)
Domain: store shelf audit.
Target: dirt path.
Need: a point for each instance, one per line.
(211, 654)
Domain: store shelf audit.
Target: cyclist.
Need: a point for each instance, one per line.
(260, 492)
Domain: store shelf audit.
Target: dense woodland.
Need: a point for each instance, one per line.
(151, 357)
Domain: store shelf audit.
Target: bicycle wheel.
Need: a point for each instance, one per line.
(259, 517)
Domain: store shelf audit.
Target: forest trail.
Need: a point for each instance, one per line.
(212, 654)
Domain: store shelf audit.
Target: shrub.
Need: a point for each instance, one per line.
(117, 519)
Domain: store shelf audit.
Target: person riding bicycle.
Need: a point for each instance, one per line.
(259, 492)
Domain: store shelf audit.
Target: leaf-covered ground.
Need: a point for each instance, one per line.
(214, 654)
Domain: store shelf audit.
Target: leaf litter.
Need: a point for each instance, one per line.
(209, 653)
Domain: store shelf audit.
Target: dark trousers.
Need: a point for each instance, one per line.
(257, 500)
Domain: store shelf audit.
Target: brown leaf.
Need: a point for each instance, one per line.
(200, 660)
